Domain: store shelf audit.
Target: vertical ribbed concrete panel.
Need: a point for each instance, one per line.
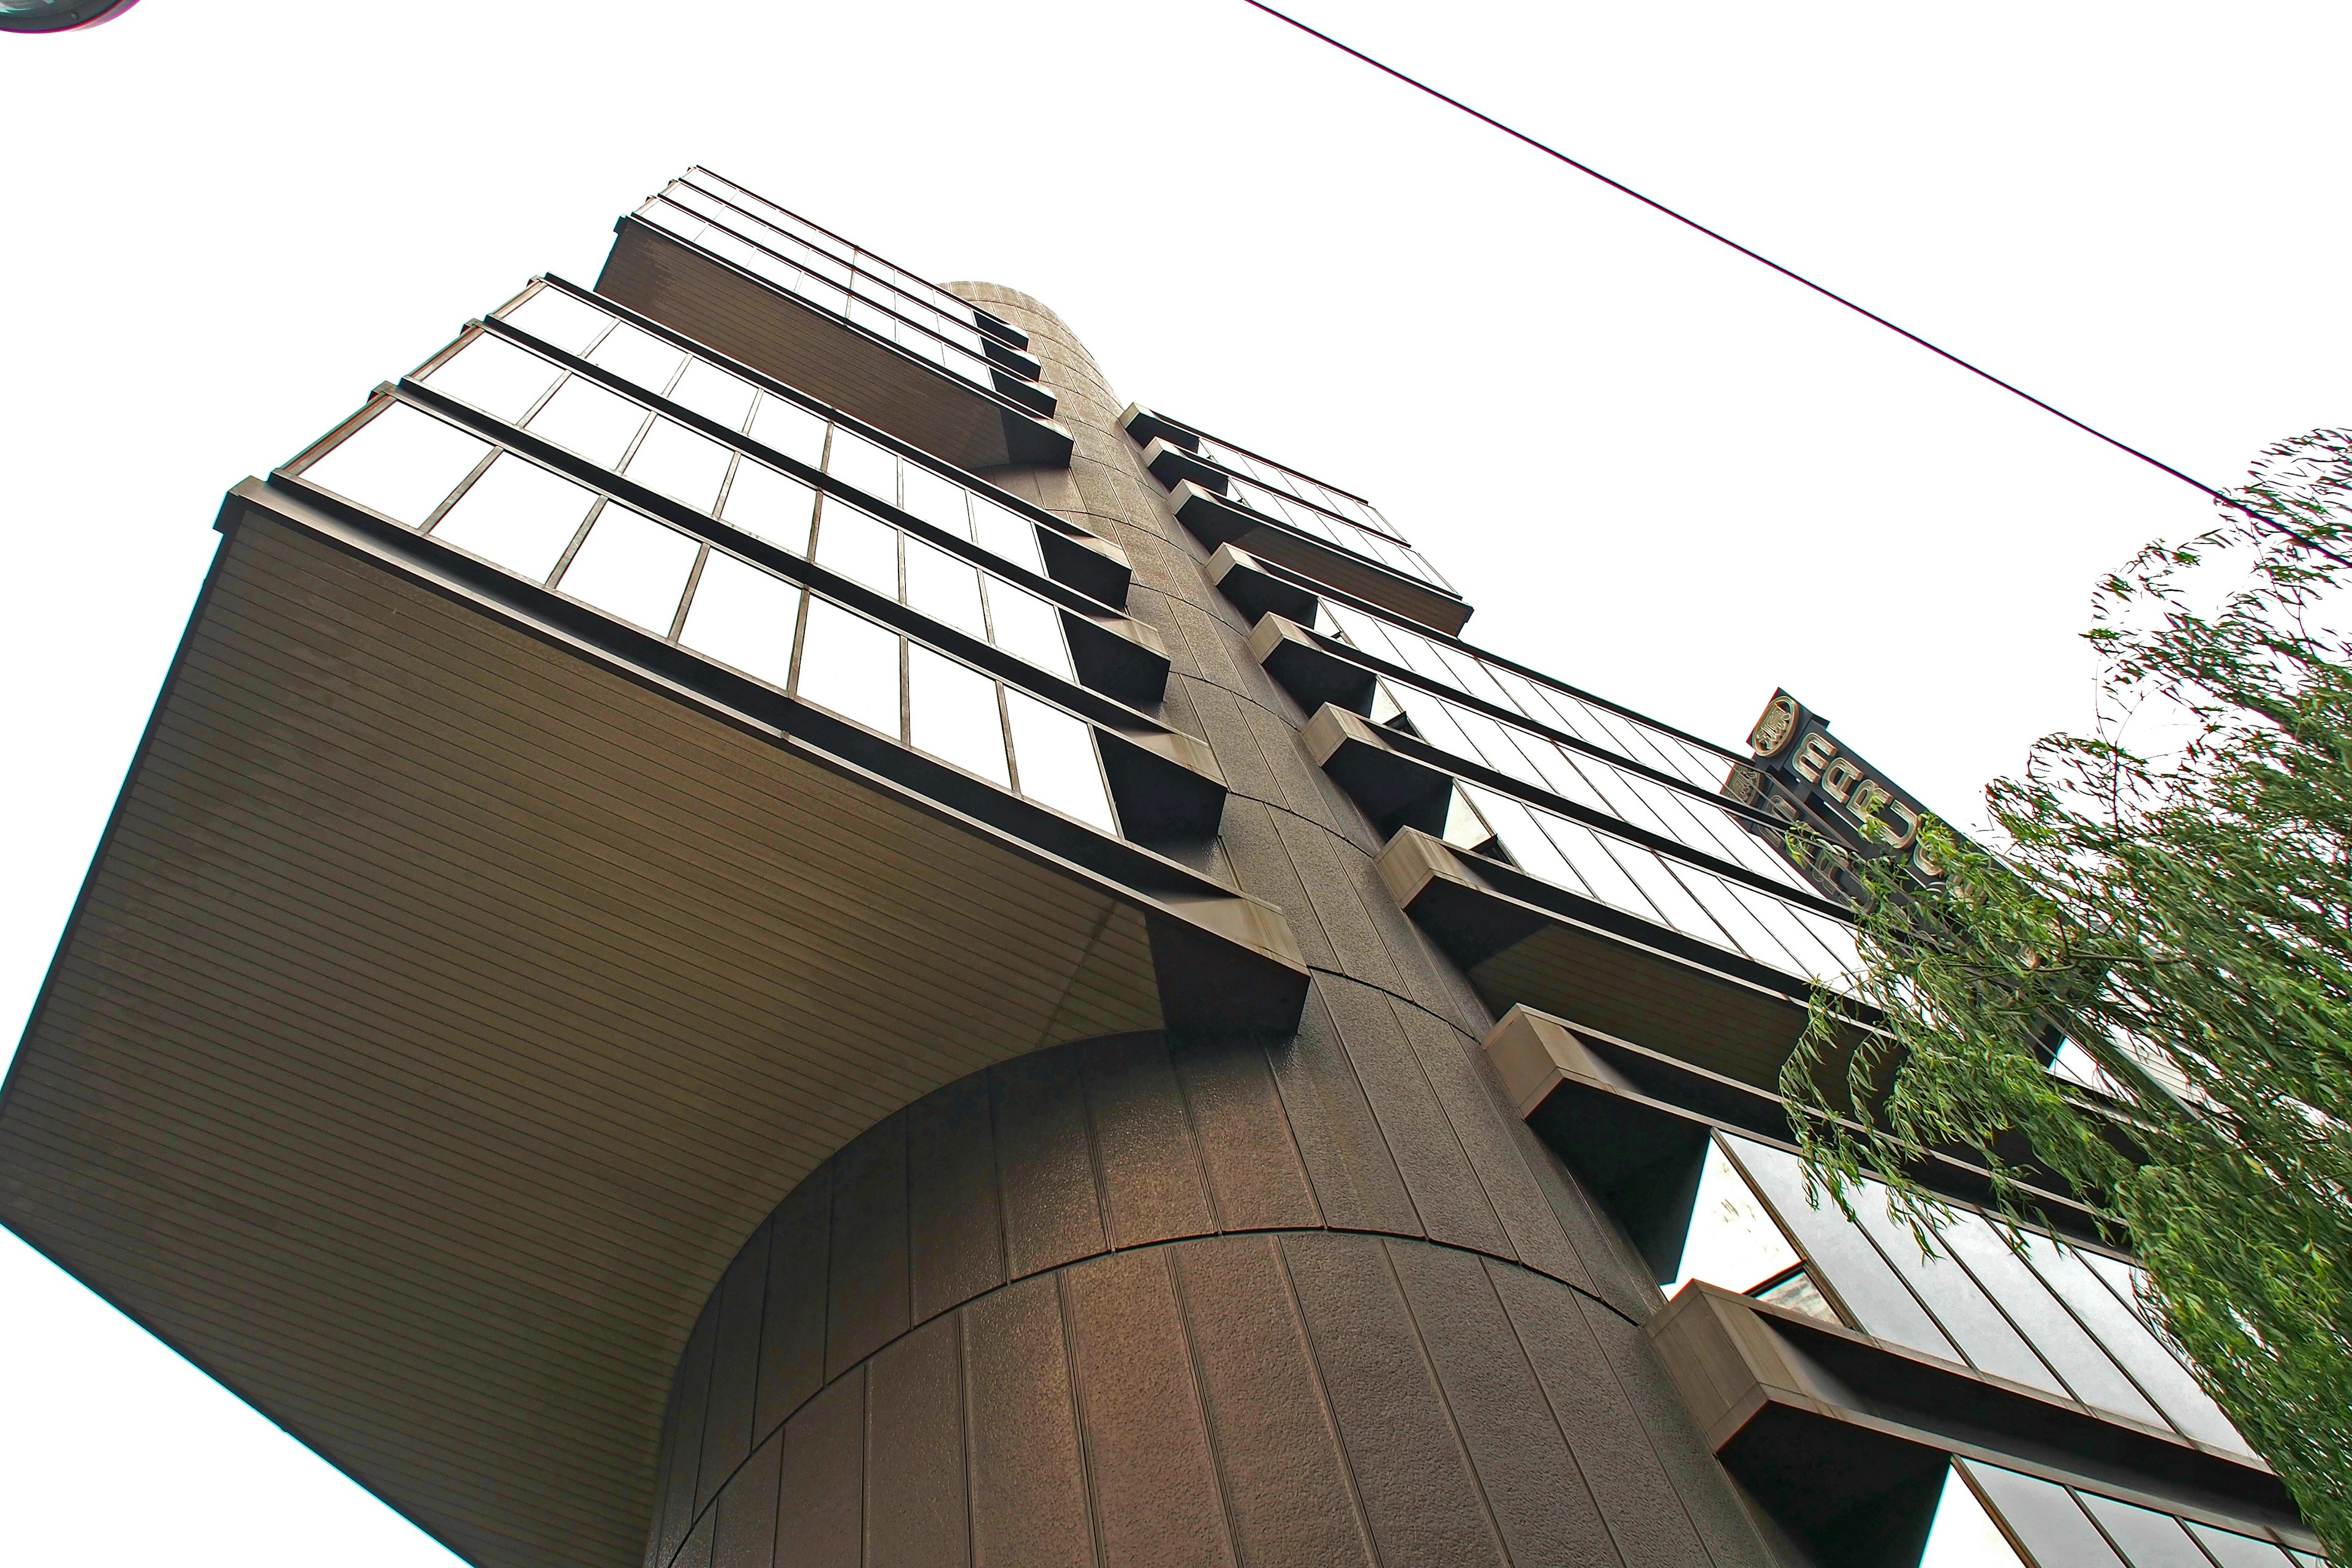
(1140, 1301)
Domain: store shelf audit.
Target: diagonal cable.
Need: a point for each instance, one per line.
(1658, 206)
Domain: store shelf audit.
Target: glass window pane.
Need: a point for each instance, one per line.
(633, 567)
(744, 616)
(1027, 626)
(714, 394)
(1976, 1242)
(1599, 871)
(589, 419)
(495, 376)
(1433, 720)
(2231, 1549)
(559, 320)
(785, 426)
(850, 665)
(1672, 899)
(1984, 1336)
(1523, 839)
(1495, 746)
(1732, 914)
(951, 713)
(944, 587)
(402, 463)
(638, 356)
(2118, 1328)
(934, 498)
(1005, 532)
(1056, 756)
(2045, 1516)
(1842, 1256)
(857, 461)
(1964, 1535)
(518, 515)
(2149, 1539)
(677, 462)
(771, 505)
(859, 545)
(1732, 1241)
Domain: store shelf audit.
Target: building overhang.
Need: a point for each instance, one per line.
(1214, 520)
(718, 304)
(1823, 1424)
(1524, 941)
(449, 998)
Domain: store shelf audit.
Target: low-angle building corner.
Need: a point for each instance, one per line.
(759, 925)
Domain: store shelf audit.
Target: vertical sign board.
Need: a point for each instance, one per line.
(1804, 776)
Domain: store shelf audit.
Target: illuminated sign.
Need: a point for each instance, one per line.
(1804, 775)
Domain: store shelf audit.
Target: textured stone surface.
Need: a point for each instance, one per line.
(1322, 1300)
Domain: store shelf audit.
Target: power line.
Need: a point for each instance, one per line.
(1658, 206)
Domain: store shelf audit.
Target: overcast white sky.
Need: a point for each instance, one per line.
(1658, 470)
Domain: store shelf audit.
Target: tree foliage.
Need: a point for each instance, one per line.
(2172, 895)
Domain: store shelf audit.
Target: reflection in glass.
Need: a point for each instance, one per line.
(1984, 1336)
(495, 376)
(944, 588)
(402, 463)
(1027, 626)
(785, 426)
(2045, 1516)
(1732, 1242)
(633, 567)
(1976, 1242)
(935, 499)
(860, 547)
(555, 318)
(851, 665)
(2231, 1549)
(1003, 532)
(951, 713)
(712, 393)
(1055, 754)
(770, 505)
(2149, 1538)
(518, 515)
(589, 419)
(1849, 1265)
(638, 357)
(1964, 1535)
(2119, 1328)
(742, 615)
(679, 464)
(857, 461)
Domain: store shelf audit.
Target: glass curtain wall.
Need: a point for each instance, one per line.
(2009, 1303)
(1992, 1517)
(778, 247)
(550, 531)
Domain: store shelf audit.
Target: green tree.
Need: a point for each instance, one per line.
(2172, 896)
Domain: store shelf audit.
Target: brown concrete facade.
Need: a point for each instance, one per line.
(1317, 1300)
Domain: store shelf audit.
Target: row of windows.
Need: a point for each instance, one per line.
(2058, 1319)
(513, 385)
(548, 530)
(406, 472)
(1590, 781)
(1552, 707)
(1233, 460)
(1331, 530)
(1991, 1517)
(1681, 897)
(838, 252)
(776, 257)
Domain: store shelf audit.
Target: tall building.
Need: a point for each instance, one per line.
(757, 926)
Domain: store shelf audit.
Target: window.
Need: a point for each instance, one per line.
(402, 463)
